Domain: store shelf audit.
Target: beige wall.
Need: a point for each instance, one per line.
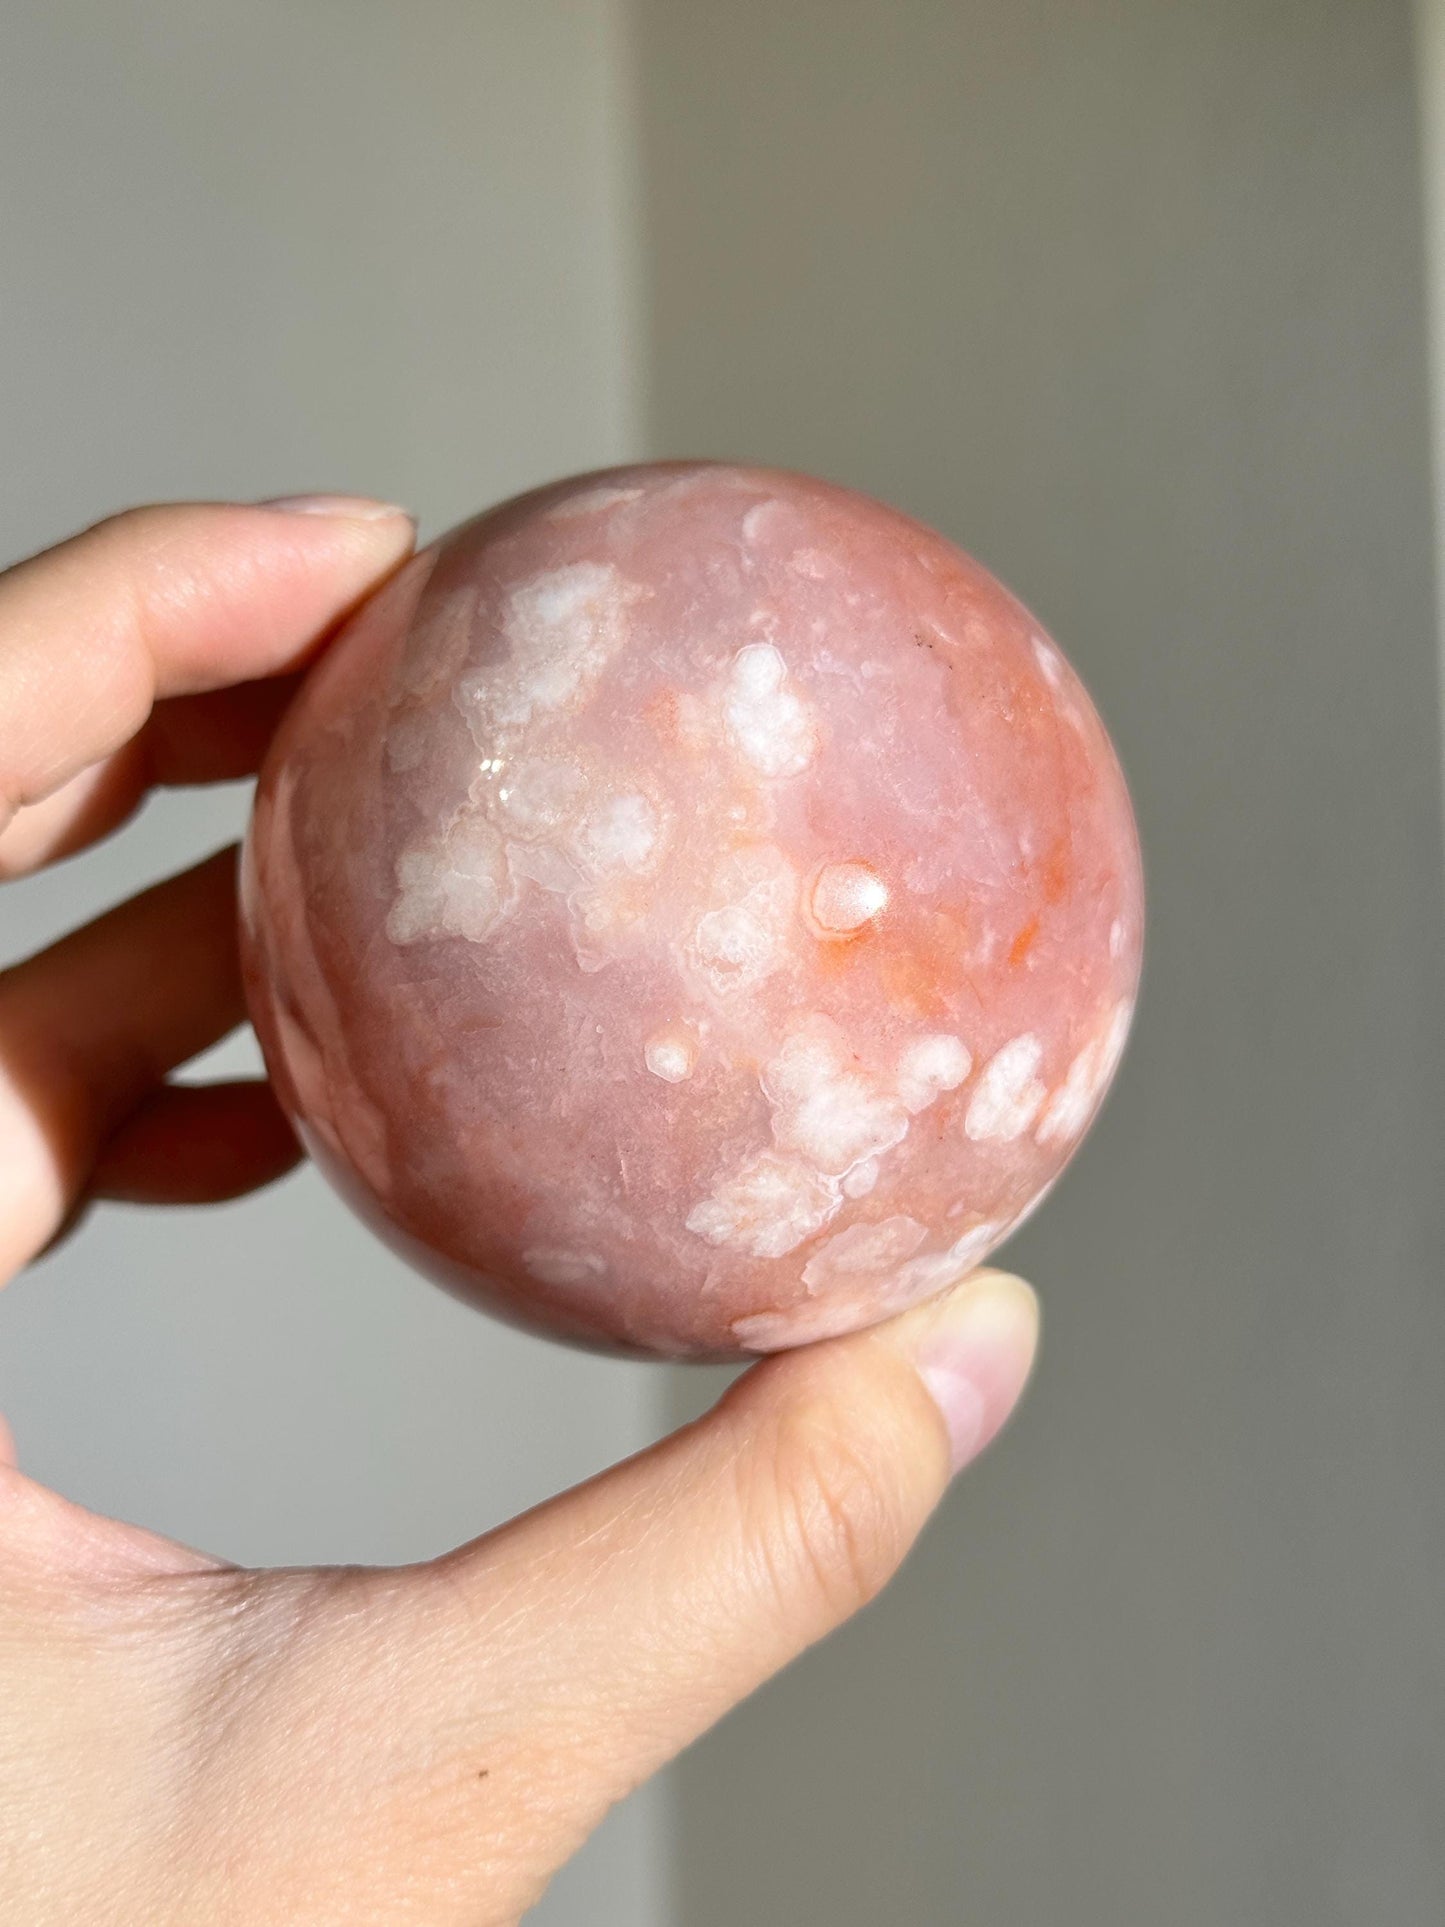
(1430, 92)
(1129, 298)
(246, 250)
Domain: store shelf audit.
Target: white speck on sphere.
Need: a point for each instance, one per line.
(846, 896)
(458, 886)
(863, 1249)
(1070, 1107)
(767, 1208)
(938, 1271)
(931, 1065)
(670, 1055)
(756, 520)
(861, 1179)
(563, 628)
(734, 942)
(1050, 666)
(1008, 1094)
(619, 833)
(1077, 1098)
(1074, 1102)
(824, 1107)
(921, 1277)
(769, 724)
(804, 1324)
(592, 501)
(970, 1249)
(539, 797)
(433, 656)
(745, 938)
(1116, 938)
(552, 1267)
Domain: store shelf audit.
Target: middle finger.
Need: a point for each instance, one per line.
(91, 1025)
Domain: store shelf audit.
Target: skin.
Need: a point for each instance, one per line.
(184, 1740)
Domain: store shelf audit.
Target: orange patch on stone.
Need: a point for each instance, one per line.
(1023, 943)
(1054, 872)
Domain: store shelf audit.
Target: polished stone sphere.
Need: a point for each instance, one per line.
(692, 909)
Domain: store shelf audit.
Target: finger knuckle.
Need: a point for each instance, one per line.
(834, 1530)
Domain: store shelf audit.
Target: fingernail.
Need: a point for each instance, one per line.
(355, 508)
(974, 1351)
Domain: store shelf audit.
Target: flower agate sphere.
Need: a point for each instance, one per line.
(692, 909)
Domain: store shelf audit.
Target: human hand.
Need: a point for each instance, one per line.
(182, 1740)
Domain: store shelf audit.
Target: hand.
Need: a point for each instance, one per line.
(183, 1741)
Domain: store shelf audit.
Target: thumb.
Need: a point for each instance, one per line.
(669, 1588)
(556, 1663)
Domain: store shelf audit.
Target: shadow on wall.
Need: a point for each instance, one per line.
(1129, 301)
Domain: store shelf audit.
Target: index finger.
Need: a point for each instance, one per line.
(170, 601)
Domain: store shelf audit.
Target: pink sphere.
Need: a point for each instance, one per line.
(692, 909)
